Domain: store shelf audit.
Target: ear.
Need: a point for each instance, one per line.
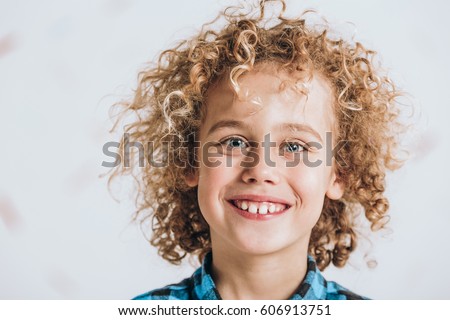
(192, 179)
(336, 188)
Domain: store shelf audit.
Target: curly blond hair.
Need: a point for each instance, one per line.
(168, 106)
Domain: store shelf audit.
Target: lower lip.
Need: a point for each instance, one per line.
(257, 216)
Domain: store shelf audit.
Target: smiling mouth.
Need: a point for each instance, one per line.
(259, 207)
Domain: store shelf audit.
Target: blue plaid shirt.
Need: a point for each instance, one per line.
(200, 286)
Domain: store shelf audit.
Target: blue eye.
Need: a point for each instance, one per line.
(234, 142)
(293, 147)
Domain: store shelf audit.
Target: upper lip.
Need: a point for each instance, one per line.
(259, 198)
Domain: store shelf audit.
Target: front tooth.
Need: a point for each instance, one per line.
(272, 208)
(244, 205)
(253, 208)
(263, 209)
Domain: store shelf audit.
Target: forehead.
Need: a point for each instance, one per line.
(298, 96)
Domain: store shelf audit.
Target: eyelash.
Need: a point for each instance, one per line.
(303, 147)
(225, 141)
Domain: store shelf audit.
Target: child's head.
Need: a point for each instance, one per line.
(275, 118)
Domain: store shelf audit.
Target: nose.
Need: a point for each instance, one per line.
(259, 168)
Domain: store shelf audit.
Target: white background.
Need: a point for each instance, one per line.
(64, 63)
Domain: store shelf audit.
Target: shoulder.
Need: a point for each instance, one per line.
(177, 291)
(338, 292)
(316, 287)
(200, 286)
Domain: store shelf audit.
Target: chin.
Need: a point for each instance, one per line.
(261, 247)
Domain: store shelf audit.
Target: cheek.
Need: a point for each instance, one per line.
(213, 178)
(215, 170)
(309, 183)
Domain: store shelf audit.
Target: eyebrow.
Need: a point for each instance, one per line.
(225, 124)
(301, 127)
(294, 127)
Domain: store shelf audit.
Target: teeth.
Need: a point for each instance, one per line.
(263, 209)
(259, 207)
(253, 208)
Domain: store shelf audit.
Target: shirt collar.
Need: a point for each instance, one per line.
(313, 286)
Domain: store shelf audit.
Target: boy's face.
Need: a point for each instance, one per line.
(262, 199)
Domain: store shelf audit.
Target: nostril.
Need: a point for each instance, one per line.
(256, 175)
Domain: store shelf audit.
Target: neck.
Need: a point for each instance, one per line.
(258, 277)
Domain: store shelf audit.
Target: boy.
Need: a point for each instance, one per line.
(264, 143)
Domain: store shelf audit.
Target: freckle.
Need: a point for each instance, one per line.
(9, 213)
